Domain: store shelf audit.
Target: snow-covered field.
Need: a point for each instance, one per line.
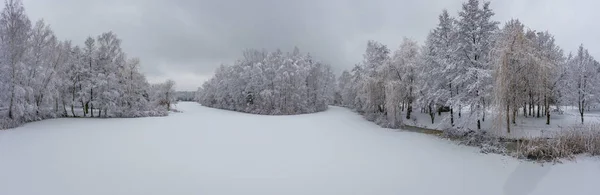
(209, 151)
(525, 127)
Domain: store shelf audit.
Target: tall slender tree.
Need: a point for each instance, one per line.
(475, 39)
(15, 28)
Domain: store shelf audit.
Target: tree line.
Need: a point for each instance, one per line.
(270, 83)
(187, 96)
(44, 77)
(471, 68)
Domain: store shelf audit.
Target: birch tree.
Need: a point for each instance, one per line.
(15, 28)
(405, 62)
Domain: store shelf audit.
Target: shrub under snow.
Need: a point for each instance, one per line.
(486, 142)
(271, 83)
(564, 144)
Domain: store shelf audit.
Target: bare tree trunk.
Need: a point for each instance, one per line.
(84, 107)
(11, 105)
(56, 105)
(525, 109)
(73, 100)
(431, 114)
(65, 113)
(508, 118)
(543, 110)
(12, 90)
(478, 113)
(91, 99)
(538, 108)
(402, 106)
(408, 111)
(530, 104)
(451, 107)
(10, 108)
(484, 111)
(547, 102)
(514, 116)
(581, 108)
(451, 116)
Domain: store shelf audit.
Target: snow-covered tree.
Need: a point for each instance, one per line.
(551, 72)
(475, 39)
(75, 74)
(109, 63)
(274, 83)
(372, 86)
(405, 69)
(90, 82)
(186, 96)
(529, 68)
(471, 68)
(381, 87)
(437, 61)
(15, 28)
(164, 94)
(583, 80)
(512, 58)
(344, 89)
(43, 77)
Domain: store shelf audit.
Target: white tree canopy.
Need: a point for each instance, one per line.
(42, 77)
(271, 83)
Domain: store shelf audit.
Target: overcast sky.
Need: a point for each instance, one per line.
(185, 40)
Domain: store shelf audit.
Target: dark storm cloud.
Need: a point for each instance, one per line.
(186, 39)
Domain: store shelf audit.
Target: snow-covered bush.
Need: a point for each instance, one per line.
(564, 144)
(6, 123)
(481, 139)
(271, 83)
(164, 95)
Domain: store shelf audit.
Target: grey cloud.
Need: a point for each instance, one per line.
(195, 37)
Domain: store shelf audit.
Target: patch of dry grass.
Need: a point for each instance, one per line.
(564, 144)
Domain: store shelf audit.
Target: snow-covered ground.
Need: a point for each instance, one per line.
(209, 151)
(525, 127)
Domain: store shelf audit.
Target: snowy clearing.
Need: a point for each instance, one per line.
(210, 151)
(530, 127)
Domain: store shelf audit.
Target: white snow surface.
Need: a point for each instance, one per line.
(529, 127)
(210, 151)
